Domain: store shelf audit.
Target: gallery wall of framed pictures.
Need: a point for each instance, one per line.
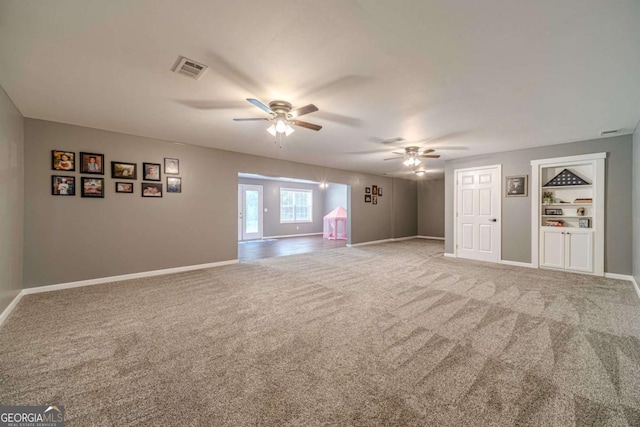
(93, 164)
(372, 193)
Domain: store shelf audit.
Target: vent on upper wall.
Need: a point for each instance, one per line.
(190, 68)
(609, 132)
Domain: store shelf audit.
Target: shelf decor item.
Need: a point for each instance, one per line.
(553, 211)
(566, 178)
(547, 197)
(583, 223)
(580, 211)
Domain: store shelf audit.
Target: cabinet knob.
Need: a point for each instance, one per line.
(493, 219)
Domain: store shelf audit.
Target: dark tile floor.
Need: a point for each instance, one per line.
(256, 249)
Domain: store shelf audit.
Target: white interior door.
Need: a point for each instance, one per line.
(478, 214)
(249, 212)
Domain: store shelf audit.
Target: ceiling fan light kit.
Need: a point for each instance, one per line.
(283, 116)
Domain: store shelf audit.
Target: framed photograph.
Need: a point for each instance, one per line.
(517, 186)
(379, 191)
(63, 185)
(124, 170)
(367, 198)
(367, 190)
(92, 163)
(92, 187)
(375, 200)
(374, 190)
(63, 160)
(151, 171)
(124, 187)
(553, 211)
(174, 184)
(171, 167)
(151, 189)
(584, 223)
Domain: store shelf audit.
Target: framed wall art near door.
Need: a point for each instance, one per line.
(516, 186)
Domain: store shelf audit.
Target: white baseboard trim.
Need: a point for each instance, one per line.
(291, 235)
(7, 311)
(373, 242)
(624, 277)
(449, 255)
(400, 239)
(101, 280)
(516, 263)
(635, 285)
(430, 237)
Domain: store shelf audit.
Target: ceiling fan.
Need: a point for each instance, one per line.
(413, 154)
(283, 116)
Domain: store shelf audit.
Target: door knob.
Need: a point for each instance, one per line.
(493, 219)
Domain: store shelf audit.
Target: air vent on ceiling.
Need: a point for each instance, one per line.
(609, 132)
(190, 68)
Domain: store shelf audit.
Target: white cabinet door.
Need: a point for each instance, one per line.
(579, 250)
(552, 248)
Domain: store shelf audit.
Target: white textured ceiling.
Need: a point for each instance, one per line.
(464, 77)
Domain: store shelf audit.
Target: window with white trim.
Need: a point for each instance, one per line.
(296, 205)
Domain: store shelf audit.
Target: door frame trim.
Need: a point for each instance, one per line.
(455, 207)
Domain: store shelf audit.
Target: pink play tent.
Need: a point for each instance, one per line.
(335, 224)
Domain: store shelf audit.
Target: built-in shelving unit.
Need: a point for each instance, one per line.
(568, 220)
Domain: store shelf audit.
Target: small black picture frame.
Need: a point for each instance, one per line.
(374, 200)
(367, 198)
(553, 211)
(124, 187)
(151, 189)
(174, 184)
(379, 191)
(151, 171)
(62, 185)
(92, 163)
(374, 190)
(171, 167)
(92, 187)
(124, 170)
(516, 186)
(367, 190)
(63, 160)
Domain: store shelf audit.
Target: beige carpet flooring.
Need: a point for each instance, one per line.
(391, 334)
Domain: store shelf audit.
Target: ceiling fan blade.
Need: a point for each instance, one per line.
(251, 119)
(429, 156)
(392, 140)
(301, 111)
(260, 105)
(394, 158)
(427, 151)
(402, 153)
(306, 125)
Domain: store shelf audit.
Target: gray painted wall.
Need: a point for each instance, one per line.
(11, 200)
(70, 238)
(431, 208)
(271, 202)
(516, 211)
(636, 205)
(405, 207)
(335, 195)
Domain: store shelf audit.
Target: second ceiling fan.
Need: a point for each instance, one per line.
(413, 154)
(283, 116)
